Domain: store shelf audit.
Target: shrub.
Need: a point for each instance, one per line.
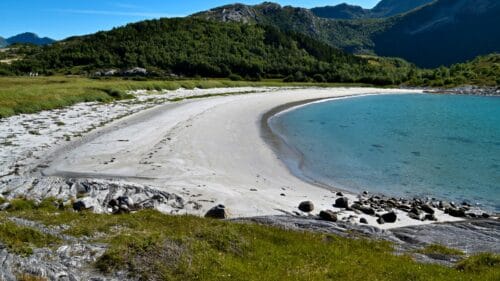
(235, 77)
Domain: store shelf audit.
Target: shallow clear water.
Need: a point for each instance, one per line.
(441, 146)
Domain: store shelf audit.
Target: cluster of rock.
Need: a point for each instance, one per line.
(135, 71)
(387, 209)
(471, 90)
(100, 196)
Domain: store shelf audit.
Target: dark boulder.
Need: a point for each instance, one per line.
(125, 200)
(364, 209)
(328, 215)
(342, 202)
(306, 206)
(380, 220)
(415, 211)
(363, 221)
(112, 203)
(389, 217)
(428, 209)
(80, 206)
(430, 217)
(217, 212)
(414, 216)
(454, 212)
(340, 194)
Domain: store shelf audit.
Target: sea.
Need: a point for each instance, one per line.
(445, 147)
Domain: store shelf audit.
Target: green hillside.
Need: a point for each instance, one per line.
(443, 32)
(194, 47)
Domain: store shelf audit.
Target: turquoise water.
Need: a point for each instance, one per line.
(439, 146)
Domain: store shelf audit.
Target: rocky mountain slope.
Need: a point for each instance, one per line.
(446, 32)
(440, 33)
(385, 8)
(3, 42)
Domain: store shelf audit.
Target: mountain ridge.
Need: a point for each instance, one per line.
(442, 32)
(385, 8)
(26, 38)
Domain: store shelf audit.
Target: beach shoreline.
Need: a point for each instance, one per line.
(194, 155)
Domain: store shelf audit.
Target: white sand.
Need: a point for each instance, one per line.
(212, 152)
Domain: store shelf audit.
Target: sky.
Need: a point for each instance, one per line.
(59, 19)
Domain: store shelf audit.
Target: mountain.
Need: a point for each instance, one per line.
(3, 42)
(341, 11)
(192, 47)
(442, 32)
(385, 8)
(29, 38)
(389, 8)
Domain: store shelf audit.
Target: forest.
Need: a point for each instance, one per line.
(191, 47)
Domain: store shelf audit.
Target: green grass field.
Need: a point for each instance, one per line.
(154, 246)
(29, 95)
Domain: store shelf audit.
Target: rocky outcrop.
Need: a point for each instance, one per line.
(95, 194)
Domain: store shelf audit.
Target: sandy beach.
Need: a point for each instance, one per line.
(211, 151)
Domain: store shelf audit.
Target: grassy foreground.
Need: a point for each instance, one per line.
(154, 246)
(29, 95)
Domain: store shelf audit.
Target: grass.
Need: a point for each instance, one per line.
(436, 249)
(21, 240)
(29, 277)
(29, 95)
(154, 246)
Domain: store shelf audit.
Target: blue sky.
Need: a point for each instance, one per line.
(62, 18)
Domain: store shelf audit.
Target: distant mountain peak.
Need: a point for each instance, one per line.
(29, 38)
(385, 8)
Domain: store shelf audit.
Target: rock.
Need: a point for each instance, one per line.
(404, 207)
(328, 215)
(380, 220)
(125, 200)
(80, 206)
(342, 202)
(485, 215)
(444, 205)
(428, 209)
(415, 211)
(430, 217)
(363, 221)
(414, 216)
(124, 208)
(4, 206)
(389, 217)
(306, 206)
(340, 194)
(135, 71)
(112, 203)
(364, 209)
(454, 212)
(217, 212)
